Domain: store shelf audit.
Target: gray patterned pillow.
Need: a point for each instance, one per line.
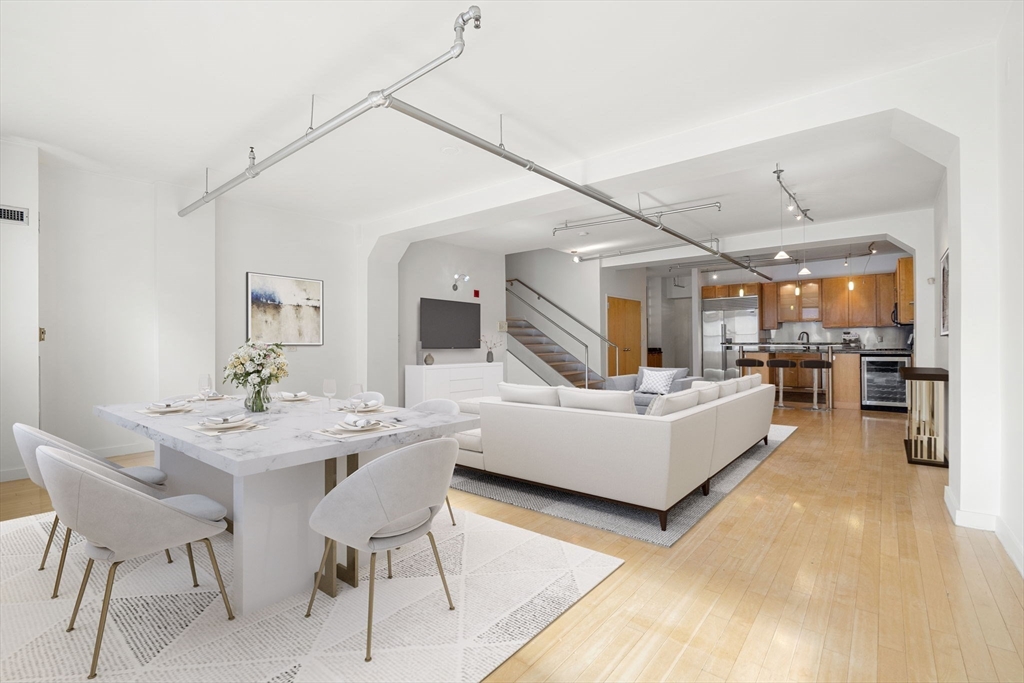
(657, 381)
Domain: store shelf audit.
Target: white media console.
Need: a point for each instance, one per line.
(457, 381)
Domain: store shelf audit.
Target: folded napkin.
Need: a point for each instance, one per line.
(360, 403)
(354, 421)
(225, 420)
(288, 394)
(169, 403)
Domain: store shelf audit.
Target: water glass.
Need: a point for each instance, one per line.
(205, 388)
(330, 389)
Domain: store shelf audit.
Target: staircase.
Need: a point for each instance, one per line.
(570, 368)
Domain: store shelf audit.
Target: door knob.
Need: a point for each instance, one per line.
(627, 349)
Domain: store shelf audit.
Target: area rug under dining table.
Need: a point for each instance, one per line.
(508, 584)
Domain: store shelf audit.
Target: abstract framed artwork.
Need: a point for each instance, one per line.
(944, 293)
(285, 310)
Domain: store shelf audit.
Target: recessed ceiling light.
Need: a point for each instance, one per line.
(451, 150)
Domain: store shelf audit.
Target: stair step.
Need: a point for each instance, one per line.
(594, 384)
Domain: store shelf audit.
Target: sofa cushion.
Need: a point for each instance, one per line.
(728, 387)
(743, 383)
(644, 399)
(708, 393)
(755, 380)
(471, 440)
(597, 399)
(673, 403)
(679, 374)
(528, 393)
(656, 381)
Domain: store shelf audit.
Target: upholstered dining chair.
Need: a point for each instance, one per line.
(145, 479)
(384, 505)
(440, 406)
(121, 523)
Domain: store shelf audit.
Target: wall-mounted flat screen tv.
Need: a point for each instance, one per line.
(449, 324)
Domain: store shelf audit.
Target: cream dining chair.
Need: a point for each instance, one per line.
(148, 480)
(440, 406)
(389, 503)
(121, 523)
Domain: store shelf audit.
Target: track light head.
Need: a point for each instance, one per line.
(576, 259)
(714, 276)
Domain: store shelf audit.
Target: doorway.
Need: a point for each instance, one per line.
(624, 319)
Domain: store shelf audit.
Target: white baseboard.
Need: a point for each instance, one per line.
(13, 474)
(967, 518)
(1012, 544)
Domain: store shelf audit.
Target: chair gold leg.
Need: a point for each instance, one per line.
(192, 565)
(103, 619)
(440, 569)
(389, 564)
(450, 513)
(167, 552)
(220, 581)
(63, 556)
(49, 542)
(318, 577)
(81, 592)
(369, 611)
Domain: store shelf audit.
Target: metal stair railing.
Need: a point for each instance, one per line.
(586, 349)
(576, 320)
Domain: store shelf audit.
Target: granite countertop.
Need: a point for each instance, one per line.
(817, 347)
(876, 352)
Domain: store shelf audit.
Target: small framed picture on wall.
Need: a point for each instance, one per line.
(944, 293)
(284, 310)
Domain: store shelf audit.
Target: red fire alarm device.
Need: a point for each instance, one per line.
(476, 293)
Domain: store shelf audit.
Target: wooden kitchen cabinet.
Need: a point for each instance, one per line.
(905, 290)
(788, 311)
(767, 373)
(707, 292)
(769, 306)
(886, 297)
(863, 301)
(809, 301)
(721, 291)
(835, 303)
(846, 381)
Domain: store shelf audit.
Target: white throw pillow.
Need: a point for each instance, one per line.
(673, 403)
(528, 393)
(708, 393)
(728, 387)
(702, 384)
(756, 380)
(656, 381)
(742, 384)
(597, 399)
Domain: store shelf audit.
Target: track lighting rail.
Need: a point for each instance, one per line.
(467, 137)
(792, 197)
(371, 101)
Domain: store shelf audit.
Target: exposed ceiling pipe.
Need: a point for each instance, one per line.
(465, 136)
(371, 101)
(656, 214)
(641, 250)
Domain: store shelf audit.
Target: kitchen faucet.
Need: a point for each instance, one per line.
(804, 337)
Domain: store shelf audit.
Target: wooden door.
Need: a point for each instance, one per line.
(788, 312)
(905, 289)
(885, 291)
(624, 330)
(863, 301)
(835, 311)
(809, 301)
(769, 306)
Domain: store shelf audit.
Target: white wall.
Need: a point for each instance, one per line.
(517, 373)
(1010, 113)
(627, 283)
(19, 302)
(941, 234)
(252, 238)
(427, 271)
(97, 301)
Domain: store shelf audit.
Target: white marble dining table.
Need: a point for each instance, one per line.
(270, 480)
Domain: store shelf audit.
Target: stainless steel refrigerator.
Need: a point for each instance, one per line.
(732, 319)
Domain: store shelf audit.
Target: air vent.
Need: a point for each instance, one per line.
(13, 214)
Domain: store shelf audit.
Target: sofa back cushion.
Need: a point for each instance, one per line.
(673, 403)
(708, 392)
(743, 383)
(679, 374)
(528, 393)
(728, 387)
(597, 399)
(755, 380)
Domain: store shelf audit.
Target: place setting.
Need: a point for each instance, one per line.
(360, 402)
(219, 426)
(353, 425)
(168, 406)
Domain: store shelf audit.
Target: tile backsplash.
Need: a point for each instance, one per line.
(870, 337)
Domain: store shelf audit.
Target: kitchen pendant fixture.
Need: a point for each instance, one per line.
(796, 292)
(741, 290)
(805, 270)
(850, 284)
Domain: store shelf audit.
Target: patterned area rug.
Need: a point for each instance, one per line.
(622, 519)
(508, 584)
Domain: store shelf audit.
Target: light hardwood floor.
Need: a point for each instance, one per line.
(834, 560)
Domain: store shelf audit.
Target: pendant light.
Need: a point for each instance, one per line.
(741, 290)
(782, 218)
(796, 292)
(805, 270)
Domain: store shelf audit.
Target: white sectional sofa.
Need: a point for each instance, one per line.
(650, 461)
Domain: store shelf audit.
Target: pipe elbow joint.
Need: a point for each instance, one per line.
(457, 49)
(472, 14)
(377, 99)
(251, 172)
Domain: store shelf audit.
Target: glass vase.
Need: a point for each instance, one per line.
(257, 398)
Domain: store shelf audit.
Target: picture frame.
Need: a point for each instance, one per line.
(944, 294)
(283, 309)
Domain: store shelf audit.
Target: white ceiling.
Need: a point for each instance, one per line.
(161, 90)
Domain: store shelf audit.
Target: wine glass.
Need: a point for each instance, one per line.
(354, 390)
(205, 388)
(330, 389)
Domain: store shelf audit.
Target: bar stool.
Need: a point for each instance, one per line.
(749, 363)
(816, 366)
(781, 364)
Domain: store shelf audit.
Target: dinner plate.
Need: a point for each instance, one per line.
(218, 397)
(172, 409)
(246, 422)
(352, 428)
(293, 399)
(364, 409)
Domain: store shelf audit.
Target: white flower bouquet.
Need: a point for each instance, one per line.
(254, 366)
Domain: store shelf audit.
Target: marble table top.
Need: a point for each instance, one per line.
(288, 440)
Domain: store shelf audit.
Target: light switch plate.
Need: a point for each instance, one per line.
(502, 326)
